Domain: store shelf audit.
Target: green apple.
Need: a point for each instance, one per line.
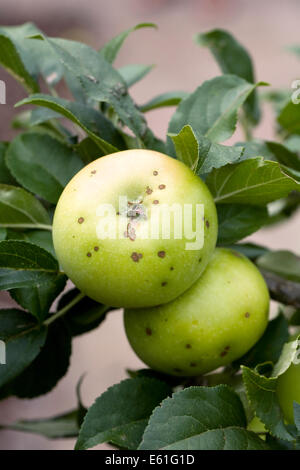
(114, 239)
(210, 325)
(288, 391)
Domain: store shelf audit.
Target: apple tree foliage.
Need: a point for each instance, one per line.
(254, 183)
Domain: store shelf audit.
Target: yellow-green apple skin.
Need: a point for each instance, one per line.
(288, 391)
(132, 270)
(213, 323)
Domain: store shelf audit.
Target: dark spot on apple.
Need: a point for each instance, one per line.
(235, 253)
(188, 346)
(140, 255)
(89, 254)
(207, 224)
(149, 190)
(177, 370)
(247, 314)
(164, 284)
(161, 186)
(161, 254)
(73, 236)
(135, 257)
(93, 172)
(118, 213)
(193, 364)
(148, 331)
(96, 248)
(226, 349)
(155, 173)
(171, 268)
(200, 259)
(155, 201)
(80, 220)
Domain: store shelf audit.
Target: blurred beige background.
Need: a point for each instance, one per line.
(265, 28)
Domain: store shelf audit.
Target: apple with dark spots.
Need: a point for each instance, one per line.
(210, 325)
(107, 255)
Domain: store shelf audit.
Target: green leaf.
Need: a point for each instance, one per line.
(20, 209)
(61, 426)
(283, 263)
(11, 58)
(88, 150)
(255, 181)
(121, 413)
(100, 129)
(293, 143)
(200, 154)
(289, 355)
(37, 57)
(284, 156)
(279, 444)
(269, 347)
(111, 49)
(289, 118)
(14, 322)
(41, 238)
(42, 164)
(187, 148)
(24, 265)
(100, 82)
(86, 315)
(261, 392)
(3, 234)
(170, 98)
(212, 109)
(200, 418)
(23, 341)
(232, 58)
(5, 175)
(171, 380)
(49, 366)
(251, 250)
(38, 299)
(237, 221)
(42, 115)
(271, 151)
(133, 73)
(297, 416)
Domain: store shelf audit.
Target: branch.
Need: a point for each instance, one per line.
(282, 290)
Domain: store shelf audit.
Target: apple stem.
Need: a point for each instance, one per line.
(64, 310)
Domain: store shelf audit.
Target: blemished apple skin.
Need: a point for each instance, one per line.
(123, 272)
(213, 323)
(288, 391)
